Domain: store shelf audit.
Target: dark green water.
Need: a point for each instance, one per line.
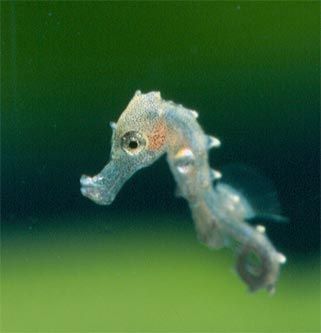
(251, 69)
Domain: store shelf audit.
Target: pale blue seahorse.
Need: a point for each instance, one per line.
(150, 127)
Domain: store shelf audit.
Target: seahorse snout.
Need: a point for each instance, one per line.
(103, 187)
(94, 189)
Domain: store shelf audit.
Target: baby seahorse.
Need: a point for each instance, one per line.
(150, 127)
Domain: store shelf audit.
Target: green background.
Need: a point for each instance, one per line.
(252, 71)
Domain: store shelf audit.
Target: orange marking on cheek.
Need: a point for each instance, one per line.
(157, 137)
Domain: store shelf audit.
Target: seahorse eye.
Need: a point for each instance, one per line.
(133, 142)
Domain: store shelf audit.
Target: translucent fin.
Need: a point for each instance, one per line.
(267, 218)
(256, 189)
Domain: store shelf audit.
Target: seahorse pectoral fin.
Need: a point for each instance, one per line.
(103, 187)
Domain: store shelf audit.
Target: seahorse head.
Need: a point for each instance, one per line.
(138, 139)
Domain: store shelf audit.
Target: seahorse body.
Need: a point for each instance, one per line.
(150, 127)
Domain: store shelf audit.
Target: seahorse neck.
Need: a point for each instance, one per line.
(187, 154)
